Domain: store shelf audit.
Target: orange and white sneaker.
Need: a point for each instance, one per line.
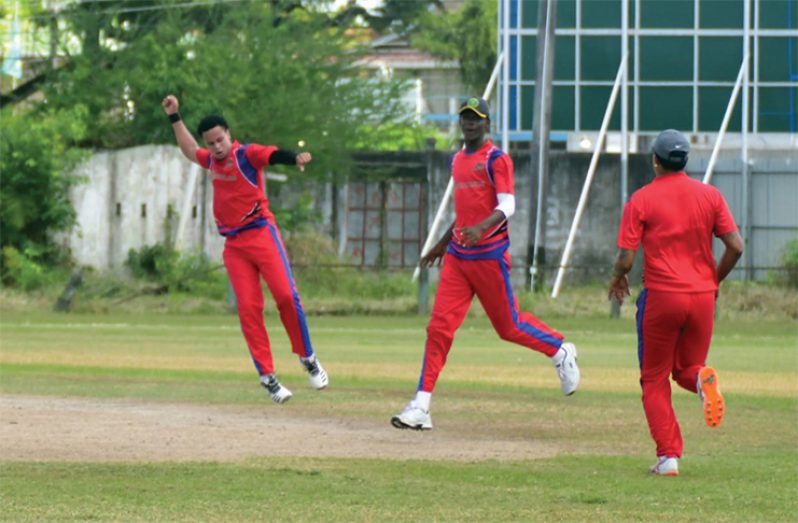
(665, 466)
(709, 392)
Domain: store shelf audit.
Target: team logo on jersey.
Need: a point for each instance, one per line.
(469, 184)
(480, 167)
(229, 163)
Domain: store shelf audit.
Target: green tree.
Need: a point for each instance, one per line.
(279, 72)
(37, 157)
(467, 35)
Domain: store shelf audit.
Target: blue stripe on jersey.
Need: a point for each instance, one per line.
(484, 252)
(246, 168)
(641, 309)
(229, 232)
(523, 326)
(493, 155)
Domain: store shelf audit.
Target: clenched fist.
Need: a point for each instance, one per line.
(170, 104)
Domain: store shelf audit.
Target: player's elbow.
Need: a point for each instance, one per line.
(734, 244)
(506, 204)
(738, 246)
(190, 153)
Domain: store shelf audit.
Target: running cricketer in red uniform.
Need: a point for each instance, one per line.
(253, 247)
(476, 260)
(674, 217)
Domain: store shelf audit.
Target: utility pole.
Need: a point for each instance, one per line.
(539, 150)
(615, 307)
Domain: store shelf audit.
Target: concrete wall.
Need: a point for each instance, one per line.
(132, 198)
(119, 183)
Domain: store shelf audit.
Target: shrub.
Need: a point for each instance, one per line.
(152, 262)
(789, 260)
(37, 157)
(26, 271)
(178, 272)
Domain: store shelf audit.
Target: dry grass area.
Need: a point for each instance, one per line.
(736, 301)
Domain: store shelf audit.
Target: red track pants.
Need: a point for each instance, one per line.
(674, 330)
(248, 256)
(490, 280)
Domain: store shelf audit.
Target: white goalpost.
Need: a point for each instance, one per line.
(566, 256)
(591, 171)
(726, 117)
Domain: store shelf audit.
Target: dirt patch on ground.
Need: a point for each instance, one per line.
(98, 430)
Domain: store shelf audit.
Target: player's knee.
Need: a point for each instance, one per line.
(507, 333)
(439, 334)
(284, 302)
(247, 310)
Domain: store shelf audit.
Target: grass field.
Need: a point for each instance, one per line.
(597, 447)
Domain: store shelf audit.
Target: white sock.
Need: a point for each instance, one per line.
(423, 399)
(558, 356)
(311, 358)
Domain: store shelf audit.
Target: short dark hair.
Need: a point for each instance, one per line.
(675, 164)
(211, 121)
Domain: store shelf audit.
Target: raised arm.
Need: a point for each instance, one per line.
(186, 142)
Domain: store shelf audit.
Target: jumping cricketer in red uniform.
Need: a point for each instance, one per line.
(674, 217)
(476, 261)
(253, 247)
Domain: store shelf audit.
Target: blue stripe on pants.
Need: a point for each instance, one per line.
(303, 326)
(641, 308)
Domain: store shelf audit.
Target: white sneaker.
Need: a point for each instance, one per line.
(316, 373)
(412, 418)
(665, 466)
(278, 393)
(567, 369)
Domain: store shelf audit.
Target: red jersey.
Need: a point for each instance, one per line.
(239, 192)
(478, 176)
(675, 217)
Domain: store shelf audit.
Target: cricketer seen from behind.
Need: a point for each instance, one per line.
(674, 218)
(476, 261)
(253, 247)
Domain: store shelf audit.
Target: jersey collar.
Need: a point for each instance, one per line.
(670, 176)
(487, 144)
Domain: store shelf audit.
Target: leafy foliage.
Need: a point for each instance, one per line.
(173, 272)
(37, 156)
(279, 74)
(401, 137)
(789, 260)
(26, 271)
(467, 35)
(401, 14)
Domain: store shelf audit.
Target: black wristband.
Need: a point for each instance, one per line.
(174, 117)
(282, 156)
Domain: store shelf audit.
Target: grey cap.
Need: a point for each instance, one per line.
(672, 147)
